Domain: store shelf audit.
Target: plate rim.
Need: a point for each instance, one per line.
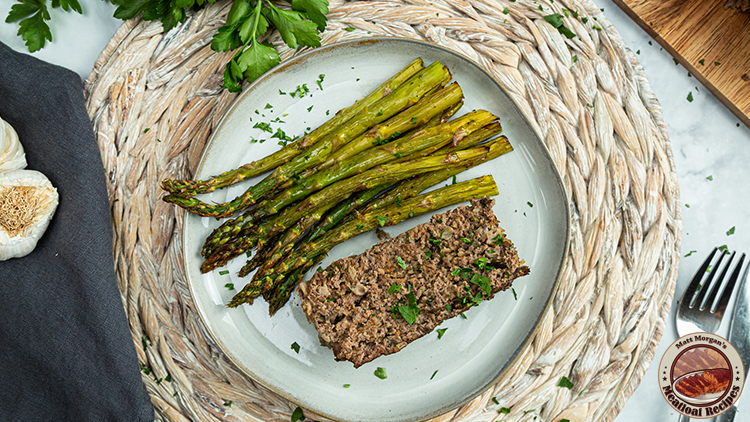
(515, 356)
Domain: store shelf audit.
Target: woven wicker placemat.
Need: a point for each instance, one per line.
(587, 98)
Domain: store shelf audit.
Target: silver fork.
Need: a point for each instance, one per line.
(697, 311)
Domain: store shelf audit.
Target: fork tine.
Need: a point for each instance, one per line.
(724, 299)
(696, 281)
(713, 290)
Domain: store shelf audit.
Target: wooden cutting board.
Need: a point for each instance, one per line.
(713, 43)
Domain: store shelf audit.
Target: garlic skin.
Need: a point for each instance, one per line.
(12, 156)
(27, 203)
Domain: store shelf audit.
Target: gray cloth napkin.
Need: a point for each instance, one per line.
(66, 352)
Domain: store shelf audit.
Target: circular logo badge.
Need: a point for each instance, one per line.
(701, 375)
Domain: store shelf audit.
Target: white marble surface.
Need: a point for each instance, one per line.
(705, 137)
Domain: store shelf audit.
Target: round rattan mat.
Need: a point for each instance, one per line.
(587, 98)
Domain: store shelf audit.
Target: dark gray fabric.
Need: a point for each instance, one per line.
(66, 353)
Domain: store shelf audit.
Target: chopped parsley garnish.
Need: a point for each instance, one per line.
(711, 178)
(347, 385)
(454, 179)
(428, 254)
(456, 272)
(297, 415)
(224, 272)
(690, 97)
(716, 63)
(380, 373)
(441, 332)
(380, 113)
(575, 58)
(381, 220)
(483, 282)
(730, 231)
(433, 374)
(410, 311)
(360, 227)
(295, 347)
(530, 204)
(448, 307)
(394, 288)
(319, 269)
(702, 62)
(411, 214)
(556, 21)
(229, 286)
(494, 400)
(506, 11)
(529, 411)
(309, 108)
(268, 106)
(481, 263)
(515, 296)
(723, 248)
(498, 240)
(146, 130)
(503, 410)
(690, 253)
(228, 403)
(401, 262)
(675, 61)
(146, 370)
(465, 240)
(321, 77)
(349, 29)
(565, 382)
(464, 316)
(265, 127)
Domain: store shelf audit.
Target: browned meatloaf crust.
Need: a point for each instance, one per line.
(360, 304)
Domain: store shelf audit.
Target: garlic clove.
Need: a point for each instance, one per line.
(12, 156)
(27, 203)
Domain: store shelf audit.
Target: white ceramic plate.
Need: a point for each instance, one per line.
(475, 351)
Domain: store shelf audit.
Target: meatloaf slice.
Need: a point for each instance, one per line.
(374, 304)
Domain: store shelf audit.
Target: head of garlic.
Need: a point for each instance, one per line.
(12, 156)
(27, 199)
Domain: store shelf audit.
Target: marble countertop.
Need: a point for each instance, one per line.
(711, 149)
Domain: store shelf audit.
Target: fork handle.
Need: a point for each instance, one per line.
(727, 416)
(683, 418)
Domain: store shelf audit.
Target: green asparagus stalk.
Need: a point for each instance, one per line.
(421, 113)
(286, 243)
(433, 138)
(233, 247)
(403, 97)
(434, 121)
(388, 216)
(189, 188)
(340, 211)
(279, 294)
(311, 209)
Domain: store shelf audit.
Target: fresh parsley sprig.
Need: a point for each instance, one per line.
(247, 21)
(32, 17)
